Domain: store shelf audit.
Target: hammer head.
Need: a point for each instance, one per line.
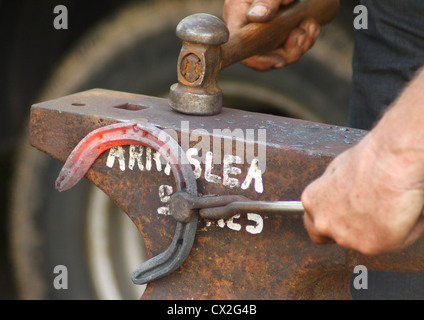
(199, 63)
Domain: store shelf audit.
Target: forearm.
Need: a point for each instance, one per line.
(371, 196)
(399, 136)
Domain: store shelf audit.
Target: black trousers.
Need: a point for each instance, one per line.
(387, 56)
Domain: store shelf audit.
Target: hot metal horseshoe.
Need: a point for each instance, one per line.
(96, 142)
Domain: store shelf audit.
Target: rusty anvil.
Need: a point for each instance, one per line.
(248, 256)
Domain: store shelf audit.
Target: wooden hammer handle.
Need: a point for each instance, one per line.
(258, 38)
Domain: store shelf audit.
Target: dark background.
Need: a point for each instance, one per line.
(30, 49)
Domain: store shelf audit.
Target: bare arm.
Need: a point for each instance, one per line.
(371, 197)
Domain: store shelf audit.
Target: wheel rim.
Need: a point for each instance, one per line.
(114, 249)
(271, 101)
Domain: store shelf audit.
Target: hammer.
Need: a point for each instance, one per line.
(208, 48)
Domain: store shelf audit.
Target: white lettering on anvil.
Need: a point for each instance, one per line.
(135, 155)
(256, 174)
(231, 224)
(197, 169)
(145, 158)
(165, 193)
(116, 152)
(229, 159)
(153, 158)
(256, 229)
(209, 176)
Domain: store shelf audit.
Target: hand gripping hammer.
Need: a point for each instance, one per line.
(208, 48)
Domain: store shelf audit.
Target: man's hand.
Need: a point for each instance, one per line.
(371, 197)
(238, 13)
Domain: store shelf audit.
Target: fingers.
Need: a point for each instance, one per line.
(327, 220)
(266, 62)
(264, 10)
(317, 232)
(238, 13)
(234, 14)
(315, 236)
(416, 232)
(299, 42)
(303, 37)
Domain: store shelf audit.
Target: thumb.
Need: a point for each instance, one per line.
(264, 10)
